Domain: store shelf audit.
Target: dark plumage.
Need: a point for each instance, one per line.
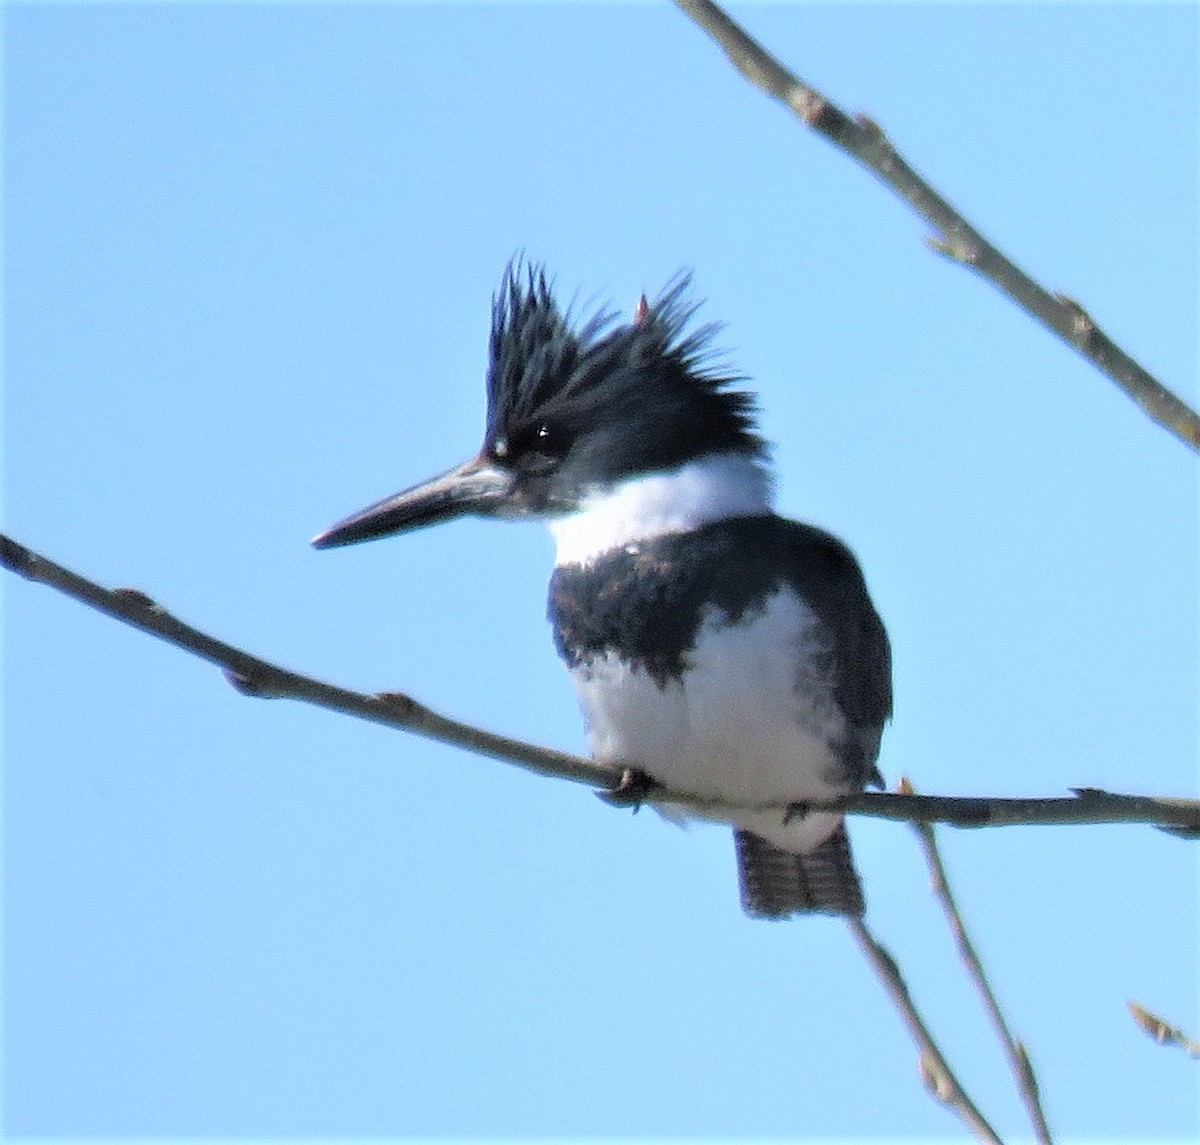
(776, 883)
(559, 392)
(730, 568)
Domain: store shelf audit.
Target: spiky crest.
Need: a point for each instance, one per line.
(638, 397)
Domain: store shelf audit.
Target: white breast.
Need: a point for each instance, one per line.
(715, 488)
(750, 722)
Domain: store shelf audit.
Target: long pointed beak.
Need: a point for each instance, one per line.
(476, 486)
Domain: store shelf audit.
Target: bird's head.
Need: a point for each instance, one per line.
(574, 409)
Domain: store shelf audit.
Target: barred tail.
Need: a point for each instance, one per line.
(777, 883)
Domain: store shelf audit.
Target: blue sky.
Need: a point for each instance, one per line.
(248, 255)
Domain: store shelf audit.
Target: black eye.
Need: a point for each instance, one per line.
(540, 448)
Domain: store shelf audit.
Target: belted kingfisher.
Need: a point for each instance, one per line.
(725, 652)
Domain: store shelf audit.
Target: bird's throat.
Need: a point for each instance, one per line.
(714, 488)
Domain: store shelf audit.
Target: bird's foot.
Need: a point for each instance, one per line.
(632, 790)
(797, 810)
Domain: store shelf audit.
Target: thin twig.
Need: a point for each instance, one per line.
(864, 140)
(935, 1072)
(1088, 805)
(257, 677)
(1018, 1057)
(1161, 1032)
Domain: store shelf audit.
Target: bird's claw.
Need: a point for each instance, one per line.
(797, 810)
(632, 789)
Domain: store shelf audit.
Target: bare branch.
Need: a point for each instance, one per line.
(1161, 1032)
(935, 1072)
(1018, 1057)
(864, 140)
(1089, 805)
(256, 677)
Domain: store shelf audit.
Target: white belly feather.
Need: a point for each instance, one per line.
(751, 722)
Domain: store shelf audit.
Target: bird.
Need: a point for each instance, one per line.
(724, 653)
